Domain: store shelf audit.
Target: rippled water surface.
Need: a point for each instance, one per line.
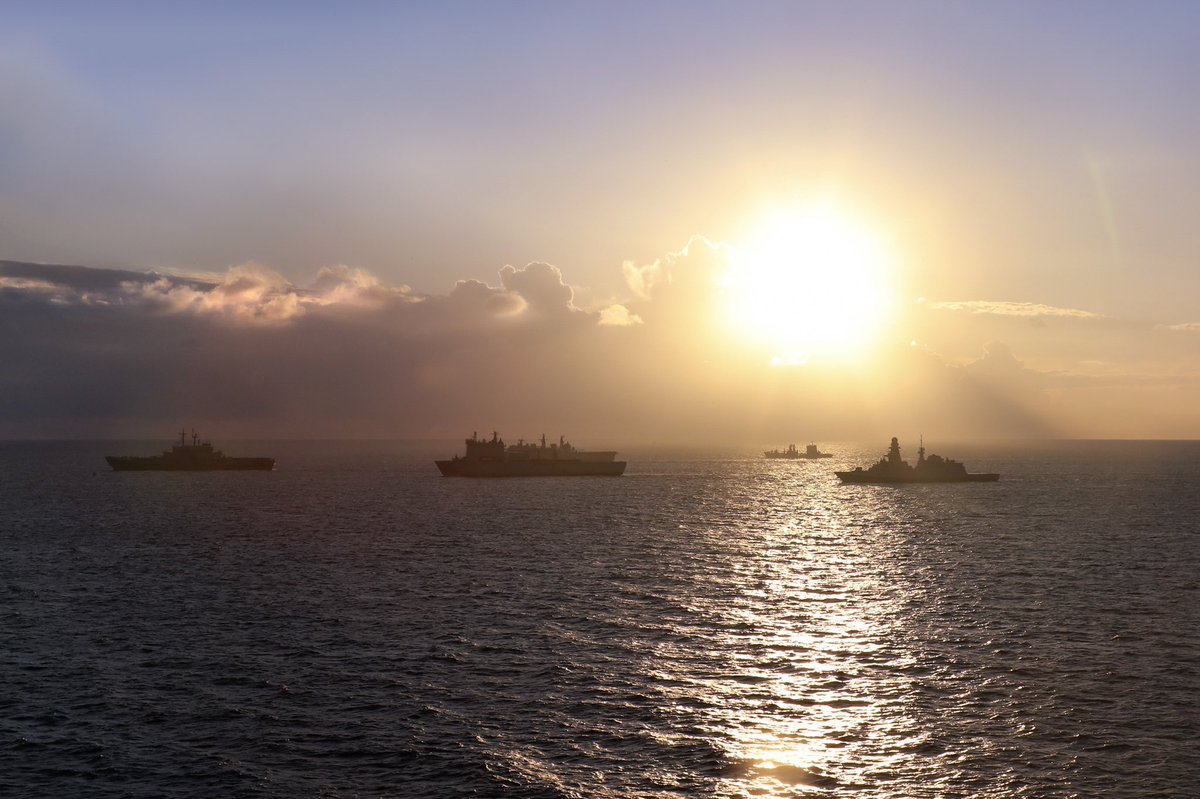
(353, 624)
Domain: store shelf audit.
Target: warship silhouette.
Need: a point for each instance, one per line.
(184, 457)
(493, 459)
(810, 452)
(934, 469)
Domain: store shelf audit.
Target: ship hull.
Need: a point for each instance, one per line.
(158, 464)
(934, 469)
(864, 477)
(800, 457)
(469, 467)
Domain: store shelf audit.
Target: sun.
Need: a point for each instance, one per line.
(811, 282)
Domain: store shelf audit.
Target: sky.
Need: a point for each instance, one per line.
(741, 223)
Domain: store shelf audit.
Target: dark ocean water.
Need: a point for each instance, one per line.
(353, 624)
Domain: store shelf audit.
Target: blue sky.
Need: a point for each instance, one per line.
(468, 135)
(1014, 155)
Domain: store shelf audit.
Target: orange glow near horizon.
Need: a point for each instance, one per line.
(810, 282)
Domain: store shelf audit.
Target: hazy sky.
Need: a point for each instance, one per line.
(612, 218)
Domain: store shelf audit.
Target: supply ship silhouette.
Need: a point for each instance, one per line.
(810, 452)
(494, 459)
(184, 457)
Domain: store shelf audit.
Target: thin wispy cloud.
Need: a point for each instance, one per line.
(1021, 309)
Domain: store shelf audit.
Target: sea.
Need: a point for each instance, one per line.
(710, 624)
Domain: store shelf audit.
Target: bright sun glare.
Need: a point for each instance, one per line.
(808, 283)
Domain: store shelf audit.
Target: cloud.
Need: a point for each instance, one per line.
(681, 292)
(1022, 309)
(102, 352)
(1183, 327)
(619, 316)
(694, 269)
(997, 360)
(540, 286)
(346, 285)
(994, 395)
(249, 293)
(475, 295)
(97, 349)
(80, 279)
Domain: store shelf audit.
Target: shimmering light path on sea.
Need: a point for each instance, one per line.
(355, 625)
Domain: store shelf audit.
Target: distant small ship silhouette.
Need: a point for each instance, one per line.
(493, 459)
(183, 457)
(791, 453)
(934, 469)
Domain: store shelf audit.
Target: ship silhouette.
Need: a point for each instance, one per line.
(791, 453)
(199, 456)
(934, 469)
(493, 459)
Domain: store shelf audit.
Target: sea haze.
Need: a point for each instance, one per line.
(353, 624)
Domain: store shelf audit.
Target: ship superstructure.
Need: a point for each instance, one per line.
(791, 453)
(198, 456)
(934, 469)
(493, 458)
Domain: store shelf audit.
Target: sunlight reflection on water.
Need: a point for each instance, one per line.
(799, 709)
(721, 628)
(768, 638)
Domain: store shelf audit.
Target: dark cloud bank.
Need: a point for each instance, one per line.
(103, 353)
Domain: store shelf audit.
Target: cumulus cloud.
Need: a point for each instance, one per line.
(541, 286)
(993, 395)
(344, 354)
(100, 352)
(1006, 377)
(680, 290)
(694, 268)
(249, 292)
(997, 359)
(475, 295)
(619, 316)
